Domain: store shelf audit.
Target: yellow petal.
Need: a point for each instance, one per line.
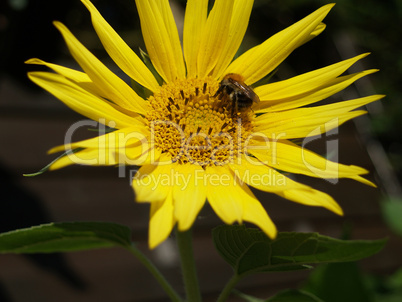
(264, 178)
(153, 183)
(81, 100)
(214, 36)
(189, 194)
(120, 52)
(139, 155)
(314, 95)
(258, 175)
(233, 201)
(310, 197)
(304, 82)
(224, 195)
(238, 26)
(254, 212)
(71, 74)
(286, 156)
(78, 77)
(112, 87)
(262, 59)
(194, 23)
(306, 122)
(88, 157)
(113, 140)
(161, 221)
(318, 30)
(161, 38)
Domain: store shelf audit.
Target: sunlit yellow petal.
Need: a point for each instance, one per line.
(214, 36)
(318, 30)
(256, 214)
(253, 172)
(306, 122)
(114, 140)
(267, 179)
(233, 201)
(119, 51)
(262, 59)
(310, 197)
(194, 23)
(161, 221)
(88, 157)
(189, 194)
(171, 28)
(113, 88)
(238, 25)
(71, 74)
(303, 83)
(315, 95)
(286, 156)
(81, 100)
(82, 80)
(78, 77)
(152, 183)
(224, 195)
(161, 38)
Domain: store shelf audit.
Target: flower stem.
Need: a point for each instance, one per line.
(228, 288)
(156, 273)
(184, 242)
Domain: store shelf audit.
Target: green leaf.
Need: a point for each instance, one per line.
(250, 250)
(338, 282)
(148, 63)
(292, 295)
(44, 169)
(65, 237)
(392, 212)
(288, 295)
(141, 90)
(247, 298)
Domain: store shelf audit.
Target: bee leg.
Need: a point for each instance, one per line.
(219, 91)
(234, 104)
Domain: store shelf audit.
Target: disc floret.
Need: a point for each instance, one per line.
(192, 124)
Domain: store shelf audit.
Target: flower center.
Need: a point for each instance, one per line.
(193, 123)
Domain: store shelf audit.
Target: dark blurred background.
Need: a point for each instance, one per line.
(32, 121)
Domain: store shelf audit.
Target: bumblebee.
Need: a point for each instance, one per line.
(233, 89)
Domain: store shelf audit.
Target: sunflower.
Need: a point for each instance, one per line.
(194, 138)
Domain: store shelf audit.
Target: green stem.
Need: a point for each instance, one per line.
(228, 288)
(156, 273)
(184, 242)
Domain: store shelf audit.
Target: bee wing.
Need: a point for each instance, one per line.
(247, 91)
